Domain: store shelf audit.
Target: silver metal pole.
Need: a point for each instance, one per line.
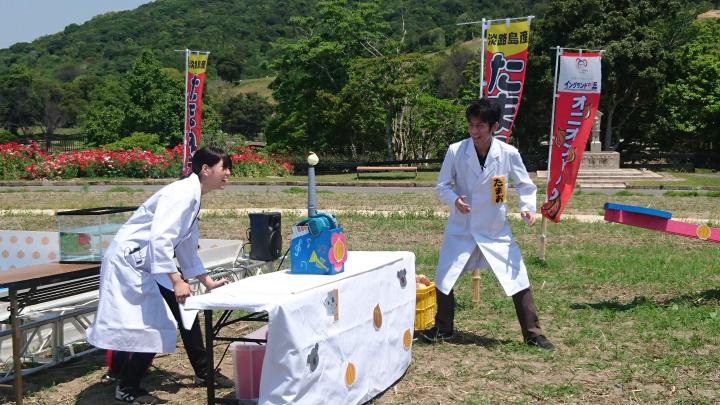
(482, 59)
(552, 117)
(497, 19)
(311, 191)
(184, 124)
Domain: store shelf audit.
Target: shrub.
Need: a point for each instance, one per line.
(137, 141)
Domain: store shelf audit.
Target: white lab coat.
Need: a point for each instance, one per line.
(132, 315)
(482, 238)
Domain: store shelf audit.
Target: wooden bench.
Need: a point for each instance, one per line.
(368, 169)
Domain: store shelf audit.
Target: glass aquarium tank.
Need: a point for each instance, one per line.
(85, 234)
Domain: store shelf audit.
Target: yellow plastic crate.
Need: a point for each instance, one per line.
(425, 307)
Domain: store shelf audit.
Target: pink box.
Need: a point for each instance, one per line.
(248, 361)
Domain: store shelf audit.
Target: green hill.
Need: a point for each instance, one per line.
(240, 34)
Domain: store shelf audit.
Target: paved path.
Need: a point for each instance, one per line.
(276, 187)
(300, 212)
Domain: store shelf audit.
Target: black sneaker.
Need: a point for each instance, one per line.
(540, 341)
(220, 381)
(435, 335)
(134, 395)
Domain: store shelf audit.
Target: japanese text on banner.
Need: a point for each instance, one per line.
(505, 67)
(197, 63)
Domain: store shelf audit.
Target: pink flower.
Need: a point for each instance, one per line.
(338, 250)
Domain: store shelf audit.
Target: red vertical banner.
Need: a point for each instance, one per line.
(505, 66)
(576, 104)
(196, 65)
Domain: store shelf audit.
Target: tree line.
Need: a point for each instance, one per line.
(352, 81)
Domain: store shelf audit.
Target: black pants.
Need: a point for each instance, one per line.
(524, 309)
(192, 339)
(130, 367)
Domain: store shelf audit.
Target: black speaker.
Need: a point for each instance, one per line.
(265, 236)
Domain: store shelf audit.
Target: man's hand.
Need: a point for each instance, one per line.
(182, 291)
(211, 284)
(528, 217)
(462, 205)
(180, 287)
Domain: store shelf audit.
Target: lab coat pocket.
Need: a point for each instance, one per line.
(136, 257)
(500, 219)
(458, 222)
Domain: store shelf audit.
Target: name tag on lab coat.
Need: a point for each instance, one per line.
(499, 190)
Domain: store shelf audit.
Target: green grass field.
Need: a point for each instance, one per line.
(635, 314)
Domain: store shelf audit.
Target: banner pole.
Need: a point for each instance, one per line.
(185, 108)
(543, 225)
(482, 58)
(476, 286)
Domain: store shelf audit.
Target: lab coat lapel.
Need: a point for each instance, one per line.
(491, 161)
(471, 158)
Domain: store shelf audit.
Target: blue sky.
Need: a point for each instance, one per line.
(26, 20)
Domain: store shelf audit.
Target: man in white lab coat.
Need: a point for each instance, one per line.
(473, 182)
(132, 315)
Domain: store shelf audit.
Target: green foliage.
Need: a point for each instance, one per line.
(145, 99)
(690, 112)
(18, 105)
(103, 121)
(156, 101)
(639, 38)
(137, 141)
(221, 140)
(101, 74)
(246, 114)
(313, 69)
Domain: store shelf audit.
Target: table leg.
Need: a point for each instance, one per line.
(16, 346)
(210, 373)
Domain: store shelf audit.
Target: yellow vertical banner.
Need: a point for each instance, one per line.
(506, 47)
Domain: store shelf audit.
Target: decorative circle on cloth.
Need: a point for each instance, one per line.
(20, 254)
(350, 375)
(703, 232)
(52, 255)
(45, 240)
(29, 240)
(36, 255)
(407, 339)
(5, 254)
(377, 317)
(13, 239)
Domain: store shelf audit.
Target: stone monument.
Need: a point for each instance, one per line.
(601, 169)
(595, 158)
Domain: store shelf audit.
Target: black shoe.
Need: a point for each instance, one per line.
(540, 341)
(435, 335)
(220, 381)
(134, 395)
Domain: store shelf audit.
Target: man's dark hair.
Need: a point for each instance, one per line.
(210, 156)
(485, 110)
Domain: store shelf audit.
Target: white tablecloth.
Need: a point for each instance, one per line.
(315, 341)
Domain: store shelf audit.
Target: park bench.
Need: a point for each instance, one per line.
(376, 169)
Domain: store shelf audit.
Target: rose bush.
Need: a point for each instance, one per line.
(28, 161)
